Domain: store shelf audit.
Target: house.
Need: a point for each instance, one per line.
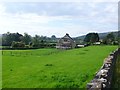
(66, 42)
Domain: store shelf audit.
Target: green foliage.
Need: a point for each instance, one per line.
(110, 39)
(26, 38)
(27, 46)
(0, 41)
(53, 37)
(91, 37)
(18, 44)
(52, 68)
(8, 38)
(41, 42)
(33, 42)
(110, 36)
(36, 41)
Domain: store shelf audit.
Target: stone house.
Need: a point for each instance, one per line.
(66, 42)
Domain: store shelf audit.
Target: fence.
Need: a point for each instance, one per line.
(103, 77)
(17, 48)
(28, 53)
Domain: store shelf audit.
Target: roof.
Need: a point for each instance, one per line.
(67, 37)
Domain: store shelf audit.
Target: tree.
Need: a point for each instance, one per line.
(18, 44)
(109, 39)
(0, 40)
(91, 38)
(36, 41)
(8, 38)
(53, 38)
(39, 41)
(110, 36)
(27, 39)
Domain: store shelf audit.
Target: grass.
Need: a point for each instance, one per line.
(51, 68)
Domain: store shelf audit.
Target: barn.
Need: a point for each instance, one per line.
(66, 42)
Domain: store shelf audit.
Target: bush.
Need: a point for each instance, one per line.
(27, 46)
(18, 44)
(44, 45)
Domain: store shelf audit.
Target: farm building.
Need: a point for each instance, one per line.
(66, 42)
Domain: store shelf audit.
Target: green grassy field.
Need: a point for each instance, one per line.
(51, 68)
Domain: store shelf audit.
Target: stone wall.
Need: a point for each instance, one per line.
(103, 77)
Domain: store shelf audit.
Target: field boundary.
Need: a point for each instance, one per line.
(103, 77)
(17, 48)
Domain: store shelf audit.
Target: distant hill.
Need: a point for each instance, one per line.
(101, 35)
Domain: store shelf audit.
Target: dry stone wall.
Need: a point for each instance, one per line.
(103, 77)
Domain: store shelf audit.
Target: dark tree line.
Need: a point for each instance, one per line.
(110, 39)
(8, 38)
(18, 40)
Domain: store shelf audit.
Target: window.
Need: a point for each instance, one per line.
(65, 40)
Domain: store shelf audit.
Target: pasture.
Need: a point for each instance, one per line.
(52, 68)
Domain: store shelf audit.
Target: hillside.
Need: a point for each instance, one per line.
(101, 35)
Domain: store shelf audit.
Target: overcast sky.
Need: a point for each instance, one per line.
(58, 18)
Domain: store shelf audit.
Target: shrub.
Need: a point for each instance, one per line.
(18, 44)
